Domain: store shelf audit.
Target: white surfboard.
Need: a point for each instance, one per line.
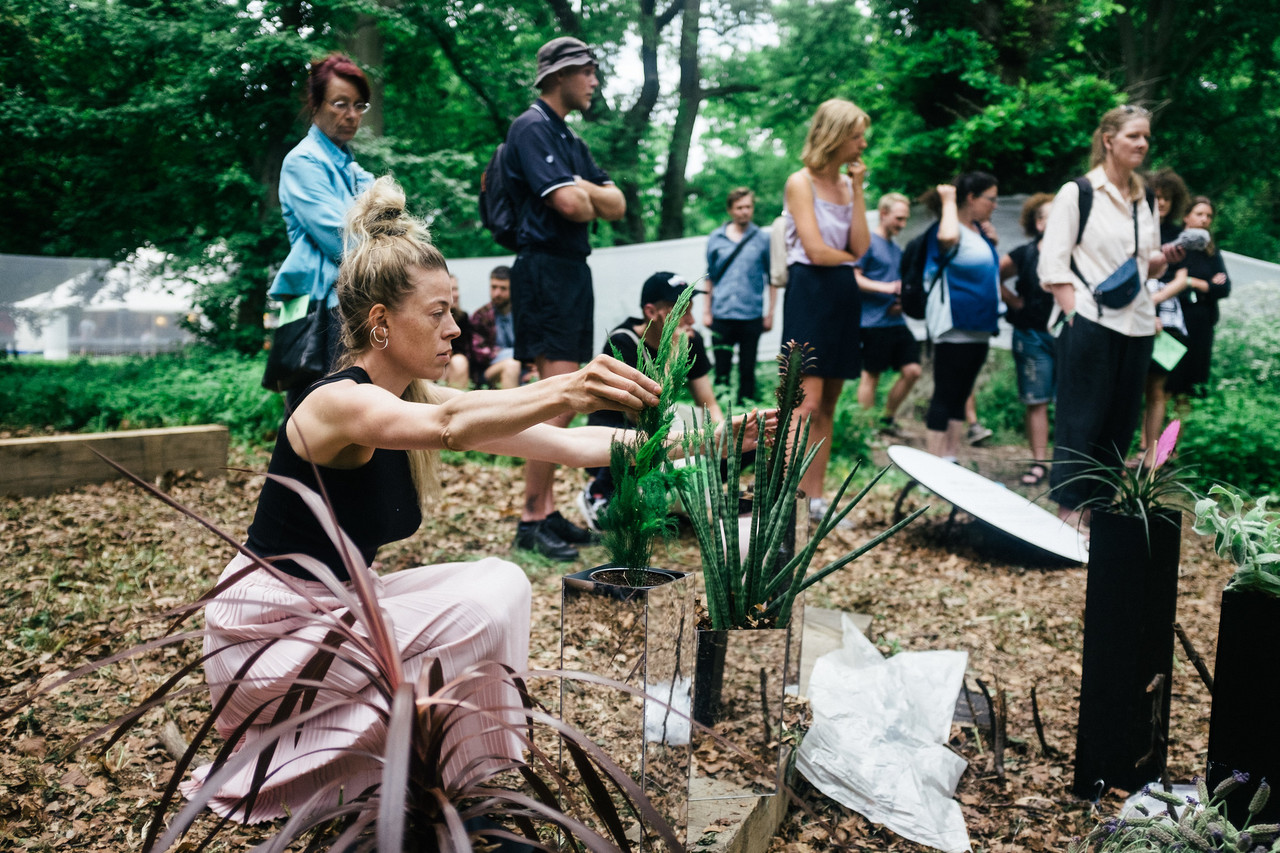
(992, 502)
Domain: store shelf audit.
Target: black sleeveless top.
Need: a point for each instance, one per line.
(375, 503)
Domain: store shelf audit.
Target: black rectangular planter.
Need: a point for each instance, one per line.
(1130, 606)
(1246, 693)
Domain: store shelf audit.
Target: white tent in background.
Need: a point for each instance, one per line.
(134, 307)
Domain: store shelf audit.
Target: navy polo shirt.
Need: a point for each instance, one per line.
(542, 155)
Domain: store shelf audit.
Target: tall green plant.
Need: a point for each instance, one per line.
(759, 589)
(640, 463)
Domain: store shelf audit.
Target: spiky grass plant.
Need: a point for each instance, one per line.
(419, 802)
(758, 589)
(1197, 823)
(1139, 492)
(640, 464)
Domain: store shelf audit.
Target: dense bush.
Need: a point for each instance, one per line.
(1230, 434)
(196, 386)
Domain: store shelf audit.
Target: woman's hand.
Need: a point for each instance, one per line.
(990, 231)
(856, 170)
(947, 192)
(750, 422)
(606, 383)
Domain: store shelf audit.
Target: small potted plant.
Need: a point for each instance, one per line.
(1130, 606)
(632, 622)
(751, 633)
(1202, 822)
(1248, 643)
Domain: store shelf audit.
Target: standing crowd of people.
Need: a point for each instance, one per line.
(368, 434)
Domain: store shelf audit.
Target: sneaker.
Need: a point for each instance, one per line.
(978, 434)
(568, 531)
(888, 428)
(818, 510)
(537, 536)
(590, 507)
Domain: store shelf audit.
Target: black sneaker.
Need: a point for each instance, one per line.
(568, 531)
(888, 428)
(538, 536)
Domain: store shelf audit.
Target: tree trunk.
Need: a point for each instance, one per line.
(671, 225)
(624, 147)
(366, 47)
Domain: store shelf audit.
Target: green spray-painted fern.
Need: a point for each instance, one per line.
(640, 463)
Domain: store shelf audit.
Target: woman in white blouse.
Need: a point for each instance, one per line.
(1103, 352)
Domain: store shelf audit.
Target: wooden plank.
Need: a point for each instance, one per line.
(46, 464)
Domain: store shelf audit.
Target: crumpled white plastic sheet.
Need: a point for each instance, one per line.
(877, 744)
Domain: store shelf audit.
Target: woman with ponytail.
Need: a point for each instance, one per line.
(367, 437)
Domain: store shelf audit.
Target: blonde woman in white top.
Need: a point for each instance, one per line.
(1103, 352)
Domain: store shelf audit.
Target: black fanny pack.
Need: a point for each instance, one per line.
(1120, 288)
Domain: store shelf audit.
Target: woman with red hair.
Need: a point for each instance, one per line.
(319, 181)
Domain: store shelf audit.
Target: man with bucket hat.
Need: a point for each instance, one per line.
(557, 190)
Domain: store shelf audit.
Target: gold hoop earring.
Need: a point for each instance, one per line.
(378, 342)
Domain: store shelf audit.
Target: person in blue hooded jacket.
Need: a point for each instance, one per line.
(963, 309)
(319, 181)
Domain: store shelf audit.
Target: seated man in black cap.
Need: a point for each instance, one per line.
(657, 298)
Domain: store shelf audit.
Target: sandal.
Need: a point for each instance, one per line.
(1034, 475)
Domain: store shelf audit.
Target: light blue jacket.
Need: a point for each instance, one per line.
(318, 183)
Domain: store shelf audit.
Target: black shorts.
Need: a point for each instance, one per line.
(552, 307)
(888, 348)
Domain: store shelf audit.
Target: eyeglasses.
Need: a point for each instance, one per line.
(1132, 109)
(361, 107)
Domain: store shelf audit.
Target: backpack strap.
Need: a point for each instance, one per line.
(1086, 205)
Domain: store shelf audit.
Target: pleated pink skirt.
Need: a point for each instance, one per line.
(461, 613)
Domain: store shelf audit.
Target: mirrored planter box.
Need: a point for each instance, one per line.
(642, 636)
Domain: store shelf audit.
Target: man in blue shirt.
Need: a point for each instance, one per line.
(738, 272)
(887, 343)
(558, 191)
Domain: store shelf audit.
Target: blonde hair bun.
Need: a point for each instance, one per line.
(380, 212)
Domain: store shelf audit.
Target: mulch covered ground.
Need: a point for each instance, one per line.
(99, 564)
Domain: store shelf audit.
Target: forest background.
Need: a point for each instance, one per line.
(164, 123)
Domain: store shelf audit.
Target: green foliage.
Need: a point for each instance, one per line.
(1194, 824)
(640, 463)
(1227, 428)
(196, 386)
(1250, 538)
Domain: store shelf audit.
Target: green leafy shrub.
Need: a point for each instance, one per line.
(196, 386)
(1229, 432)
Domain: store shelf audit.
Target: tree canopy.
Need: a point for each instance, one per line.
(160, 122)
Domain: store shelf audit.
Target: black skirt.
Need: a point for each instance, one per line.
(822, 308)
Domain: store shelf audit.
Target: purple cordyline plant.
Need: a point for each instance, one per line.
(417, 803)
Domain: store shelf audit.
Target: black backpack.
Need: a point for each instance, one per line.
(497, 207)
(915, 296)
